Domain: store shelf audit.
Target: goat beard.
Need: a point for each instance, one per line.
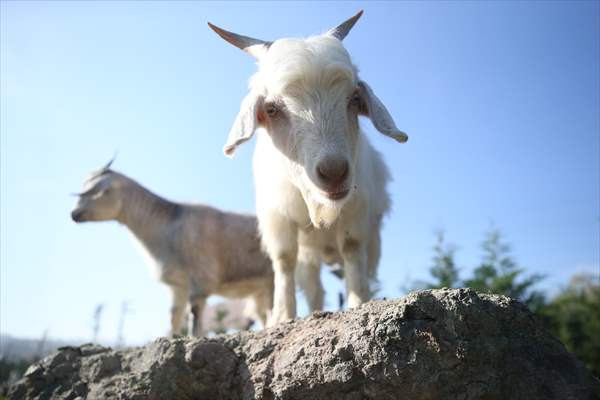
(322, 216)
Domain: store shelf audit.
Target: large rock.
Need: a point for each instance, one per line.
(438, 344)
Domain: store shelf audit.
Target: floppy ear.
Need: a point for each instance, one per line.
(373, 108)
(245, 123)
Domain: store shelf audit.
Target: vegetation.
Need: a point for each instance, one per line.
(220, 322)
(10, 371)
(499, 273)
(444, 269)
(573, 315)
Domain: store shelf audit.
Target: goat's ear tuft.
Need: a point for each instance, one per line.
(245, 123)
(373, 108)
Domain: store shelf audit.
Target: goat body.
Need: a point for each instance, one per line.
(320, 186)
(292, 224)
(196, 250)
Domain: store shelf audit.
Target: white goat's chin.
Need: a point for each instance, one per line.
(322, 216)
(322, 209)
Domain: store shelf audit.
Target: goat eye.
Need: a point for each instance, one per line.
(271, 109)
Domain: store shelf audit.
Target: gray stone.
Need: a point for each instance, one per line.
(435, 344)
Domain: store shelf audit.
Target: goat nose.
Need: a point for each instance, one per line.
(76, 215)
(332, 171)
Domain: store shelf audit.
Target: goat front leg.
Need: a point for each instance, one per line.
(280, 237)
(308, 275)
(354, 253)
(197, 304)
(179, 297)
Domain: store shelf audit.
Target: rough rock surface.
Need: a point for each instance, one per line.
(439, 344)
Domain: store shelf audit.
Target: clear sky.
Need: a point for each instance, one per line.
(500, 101)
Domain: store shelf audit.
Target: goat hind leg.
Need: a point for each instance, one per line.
(197, 304)
(262, 305)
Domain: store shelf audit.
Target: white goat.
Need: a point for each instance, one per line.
(320, 186)
(195, 249)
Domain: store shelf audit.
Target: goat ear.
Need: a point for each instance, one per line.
(373, 108)
(245, 123)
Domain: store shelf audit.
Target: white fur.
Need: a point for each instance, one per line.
(314, 88)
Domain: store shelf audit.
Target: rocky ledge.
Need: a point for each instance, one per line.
(434, 344)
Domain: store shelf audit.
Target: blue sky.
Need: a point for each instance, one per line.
(500, 101)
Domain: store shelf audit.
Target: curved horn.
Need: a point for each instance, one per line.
(342, 29)
(254, 47)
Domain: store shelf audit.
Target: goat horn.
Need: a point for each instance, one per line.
(342, 29)
(107, 166)
(242, 42)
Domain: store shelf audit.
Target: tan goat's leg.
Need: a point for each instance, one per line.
(178, 307)
(197, 304)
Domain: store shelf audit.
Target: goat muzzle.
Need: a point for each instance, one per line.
(76, 215)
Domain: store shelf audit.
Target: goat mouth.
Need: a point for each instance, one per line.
(337, 195)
